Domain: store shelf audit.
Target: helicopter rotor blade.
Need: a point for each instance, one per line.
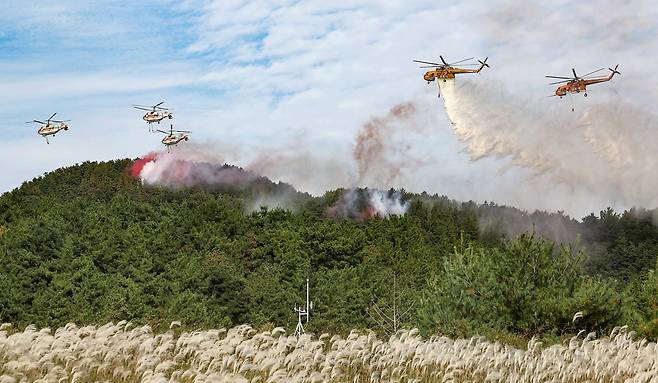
(559, 82)
(443, 61)
(181, 131)
(158, 104)
(426, 62)
(162, 131)
(590, 73)
(140, 108)
(563, 78)
(51, 117)
(574, 73)
(58, 121)
(461, 61)
(37, 121)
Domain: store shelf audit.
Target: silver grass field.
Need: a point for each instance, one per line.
(124, 353)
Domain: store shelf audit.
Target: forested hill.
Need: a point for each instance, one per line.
(91, 244)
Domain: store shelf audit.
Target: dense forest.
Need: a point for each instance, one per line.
(91, 244)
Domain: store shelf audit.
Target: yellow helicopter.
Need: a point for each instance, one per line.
(50, 127)
(578, 84)
(173, 139)
(448, 71)
(154, 113)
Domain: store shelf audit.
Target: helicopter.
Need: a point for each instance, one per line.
(448, 71)
(154, 113)
(173, 139)
(577, 84)
(50, 127)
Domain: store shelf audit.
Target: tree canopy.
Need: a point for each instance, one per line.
(91, 244)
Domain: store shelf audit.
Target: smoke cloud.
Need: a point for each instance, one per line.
(375, 149)
(384, 153)
(185, 167)
(363, 204)
(307, 169)
(194, 165)
(609, 150)
(386, 147)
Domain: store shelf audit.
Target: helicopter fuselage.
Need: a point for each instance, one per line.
(152, 117)
(52, 129)
(572, 87)
(174, 139)
(441, 74)
(448, 72)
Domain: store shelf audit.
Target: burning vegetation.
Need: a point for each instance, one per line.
(363, 204)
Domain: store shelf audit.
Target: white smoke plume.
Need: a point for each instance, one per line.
(363, 204)
(609, 150)
(387, 204)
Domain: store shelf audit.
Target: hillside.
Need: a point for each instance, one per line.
(92, 244)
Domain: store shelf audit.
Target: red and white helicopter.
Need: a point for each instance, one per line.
(154, 113)
(172, 139)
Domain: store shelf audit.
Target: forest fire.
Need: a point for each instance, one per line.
(364, 204)
(189, 169)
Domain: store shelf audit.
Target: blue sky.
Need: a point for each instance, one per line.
(293, 81)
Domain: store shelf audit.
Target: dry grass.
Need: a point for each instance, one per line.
(121, 353)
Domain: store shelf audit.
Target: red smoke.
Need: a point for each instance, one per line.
(136, 168)
(376, 147)
(185, 169)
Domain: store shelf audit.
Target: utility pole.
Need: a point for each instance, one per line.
(390, 317)
(303, 312)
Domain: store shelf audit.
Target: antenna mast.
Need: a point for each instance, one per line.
(303, 312)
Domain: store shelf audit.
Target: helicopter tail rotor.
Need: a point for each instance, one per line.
(484, 63)
(614, 71)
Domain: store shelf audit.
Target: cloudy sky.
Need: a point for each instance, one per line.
(285, 86)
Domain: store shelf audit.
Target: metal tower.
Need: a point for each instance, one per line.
(303, 312)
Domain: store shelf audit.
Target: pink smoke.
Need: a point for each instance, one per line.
(136, 168)
(183, 170)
